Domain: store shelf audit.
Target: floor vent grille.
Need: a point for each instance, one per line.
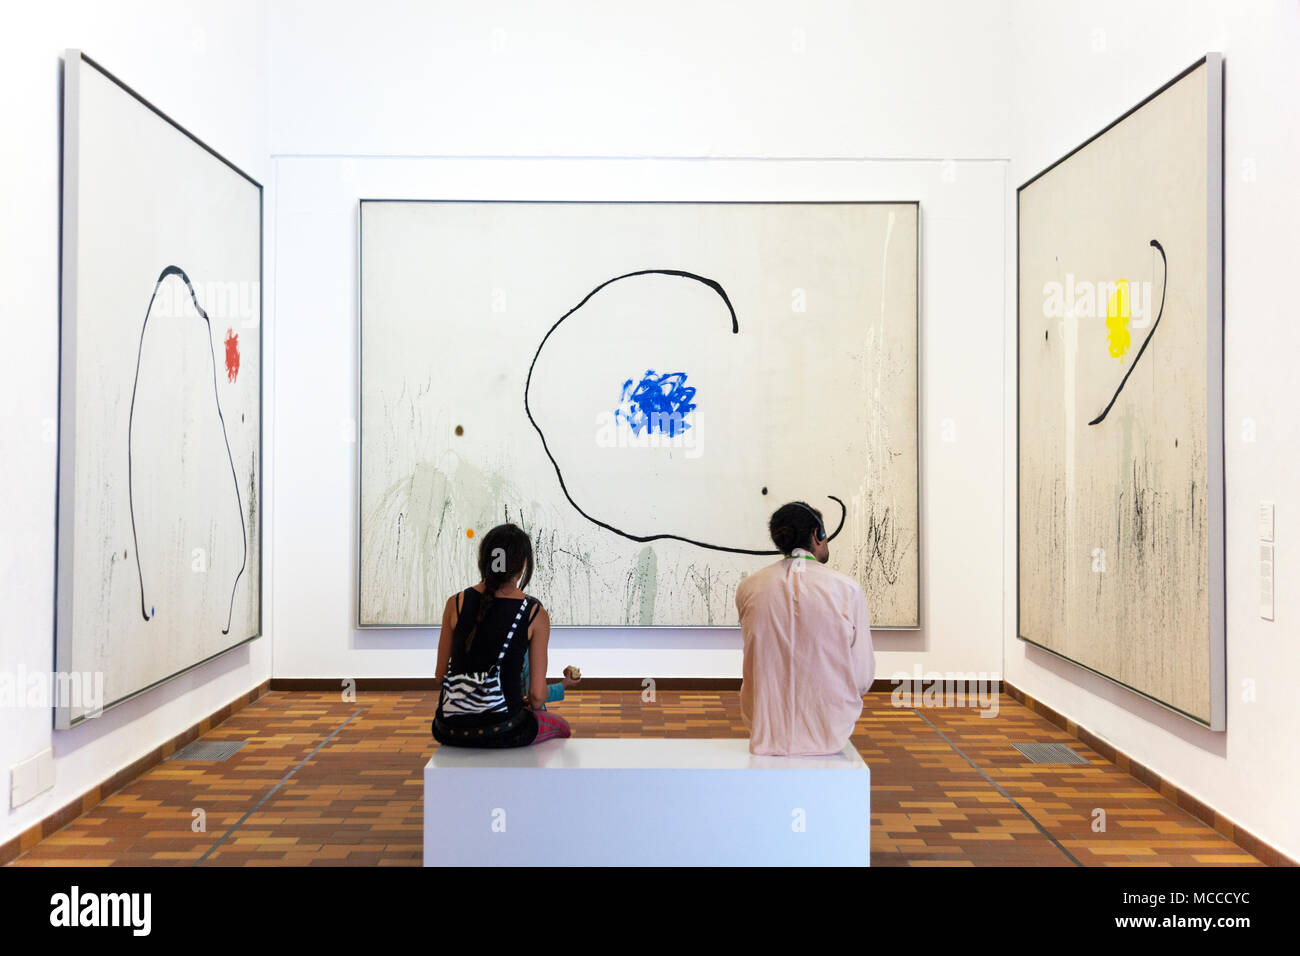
(1049, 753)
(209, 750)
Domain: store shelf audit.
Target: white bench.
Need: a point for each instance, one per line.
(637, 801)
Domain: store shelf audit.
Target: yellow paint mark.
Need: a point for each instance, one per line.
(469, 532)
(1117, 316)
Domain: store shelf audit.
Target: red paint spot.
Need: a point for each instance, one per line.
(232, 355)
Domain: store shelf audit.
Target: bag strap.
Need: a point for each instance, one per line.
(513, 624)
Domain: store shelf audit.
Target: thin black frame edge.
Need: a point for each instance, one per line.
(1115, 122)
(1216, 159)
(361, 272)
(69, 99)
(163, 116)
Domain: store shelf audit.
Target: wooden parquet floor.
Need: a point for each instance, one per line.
(327, 782)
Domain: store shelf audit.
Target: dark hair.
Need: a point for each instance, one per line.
(793, 526)
(504, 552)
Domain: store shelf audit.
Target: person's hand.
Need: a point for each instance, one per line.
(572, 677)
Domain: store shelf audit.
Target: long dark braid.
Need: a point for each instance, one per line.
(504, 552)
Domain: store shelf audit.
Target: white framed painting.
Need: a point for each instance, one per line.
(639, 386)
(1120, 444)
(160, 427)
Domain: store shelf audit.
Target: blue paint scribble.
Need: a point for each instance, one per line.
(659, 403)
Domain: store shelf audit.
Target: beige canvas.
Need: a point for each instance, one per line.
(160, 496)
(1120, 450)
(793, 327)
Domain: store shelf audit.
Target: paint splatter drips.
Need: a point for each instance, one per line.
(658, 403)
(232, 355)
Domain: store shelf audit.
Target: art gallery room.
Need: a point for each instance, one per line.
(922, 509)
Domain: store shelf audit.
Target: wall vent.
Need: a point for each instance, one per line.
(209, 750)
(1050, 753)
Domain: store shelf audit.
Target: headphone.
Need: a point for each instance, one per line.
(821, 529)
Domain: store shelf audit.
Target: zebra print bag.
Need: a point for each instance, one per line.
(479, 693)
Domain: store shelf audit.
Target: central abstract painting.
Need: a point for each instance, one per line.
(639, 386)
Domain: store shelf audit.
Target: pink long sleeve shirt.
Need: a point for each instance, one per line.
(808, 657)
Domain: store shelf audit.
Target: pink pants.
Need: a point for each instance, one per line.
(550, 725)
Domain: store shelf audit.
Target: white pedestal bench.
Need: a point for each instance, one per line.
(638, 801)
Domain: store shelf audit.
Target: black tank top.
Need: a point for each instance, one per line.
(491, 634)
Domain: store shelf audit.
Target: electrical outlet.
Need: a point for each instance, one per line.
(1266, 512)
(31, 778)
(1266, 558)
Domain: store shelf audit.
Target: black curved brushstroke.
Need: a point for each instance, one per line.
(1145, 342)
(735, 329)
(177, 271)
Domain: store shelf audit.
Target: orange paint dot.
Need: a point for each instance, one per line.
(469, 532)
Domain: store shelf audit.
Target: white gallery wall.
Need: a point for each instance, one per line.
(688, 101)
(205, 66)
(961, 396)
(1078, 67)
(764, 78)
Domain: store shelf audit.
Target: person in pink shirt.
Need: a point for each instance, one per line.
(807, 634)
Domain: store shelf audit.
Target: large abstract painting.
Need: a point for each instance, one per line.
(1121, 401)
(639, 386)
(159, 554)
